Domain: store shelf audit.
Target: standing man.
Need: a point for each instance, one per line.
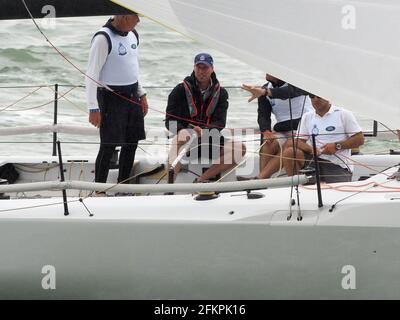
(336, 133)
(113, 62)
(199, 104)
(287, 103)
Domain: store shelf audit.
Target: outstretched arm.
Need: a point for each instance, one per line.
(286, 92)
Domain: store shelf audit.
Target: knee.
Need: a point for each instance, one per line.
(183, 135)
(288, 152)
(267, 148)
(288, 144)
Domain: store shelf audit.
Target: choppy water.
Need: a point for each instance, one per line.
(165, 56)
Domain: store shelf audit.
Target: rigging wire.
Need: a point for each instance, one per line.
(21, 99)
(187, 120)
(105, 86)
(83, 109)
(40, 106)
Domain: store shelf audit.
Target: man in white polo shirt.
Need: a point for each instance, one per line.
(336, 133)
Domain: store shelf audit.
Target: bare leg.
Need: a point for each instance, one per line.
(271, 167)
(291, 165)
(269, 160)
(231, 155)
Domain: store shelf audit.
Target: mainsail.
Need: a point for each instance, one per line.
(345, 51)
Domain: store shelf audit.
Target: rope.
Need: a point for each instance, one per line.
(21, 99)
(38, 206)
(72, 103)
(105, 86)
(241, 162)
(351, 188)
(42, 105)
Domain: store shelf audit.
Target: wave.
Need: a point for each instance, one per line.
(10, 69)
(18, 55)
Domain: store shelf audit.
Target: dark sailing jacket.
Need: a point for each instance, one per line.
(186, 102)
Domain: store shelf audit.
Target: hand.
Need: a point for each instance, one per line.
(318, 151)
(269, 136)
(329, 148)
(198, 130)
(144, 105)
(256, 92)
(95, 118)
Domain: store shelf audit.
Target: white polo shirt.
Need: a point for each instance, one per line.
(337, 125)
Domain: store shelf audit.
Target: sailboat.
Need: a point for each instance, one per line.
(252, 239)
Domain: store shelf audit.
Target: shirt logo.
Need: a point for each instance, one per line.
(330, 128)
(121, 50)
(315, 130)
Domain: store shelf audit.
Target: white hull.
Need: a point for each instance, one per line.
(174, 247)
(192, 260)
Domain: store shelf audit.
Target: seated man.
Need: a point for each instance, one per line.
(336, 131)
(199, 105)
(273, 98)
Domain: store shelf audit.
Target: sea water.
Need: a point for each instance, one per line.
(166, 57)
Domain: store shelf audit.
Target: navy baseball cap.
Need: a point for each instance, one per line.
(204, 58)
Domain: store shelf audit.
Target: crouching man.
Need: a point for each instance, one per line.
(199, 105)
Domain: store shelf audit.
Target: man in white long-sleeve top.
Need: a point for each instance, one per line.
(113, 64)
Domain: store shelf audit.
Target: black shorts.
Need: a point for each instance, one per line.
(122, 121)
(329, 172)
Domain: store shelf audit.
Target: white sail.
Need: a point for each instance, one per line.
(346, 51)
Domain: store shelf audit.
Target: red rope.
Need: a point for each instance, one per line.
(104, 86)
